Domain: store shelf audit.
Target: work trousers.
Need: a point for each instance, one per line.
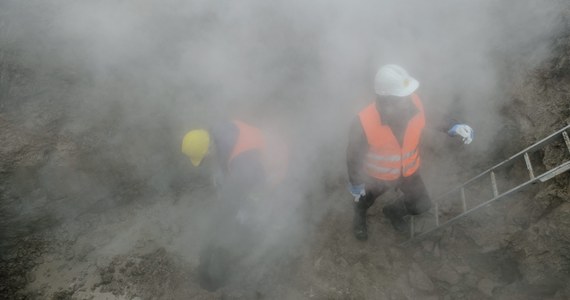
(414, 201)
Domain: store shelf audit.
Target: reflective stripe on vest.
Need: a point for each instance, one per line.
(374, 168)
(386, 158)
(413, 165)
(373, 156)
(409, 154)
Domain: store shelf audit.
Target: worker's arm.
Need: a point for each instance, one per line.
(355, 152)
(447, 122)
(224, 135)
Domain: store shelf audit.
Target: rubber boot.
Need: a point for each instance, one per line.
(395, 212)
(359, 223)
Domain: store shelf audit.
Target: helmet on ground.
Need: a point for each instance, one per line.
(195, 145)
(393, 80)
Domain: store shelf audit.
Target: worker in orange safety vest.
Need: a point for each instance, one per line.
(384, 150)
(248, 165)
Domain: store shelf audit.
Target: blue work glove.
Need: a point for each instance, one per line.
(357, 191)
(464, 131)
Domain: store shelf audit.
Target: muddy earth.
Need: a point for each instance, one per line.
(82, 218)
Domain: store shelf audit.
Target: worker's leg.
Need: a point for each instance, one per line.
(396, 212)
(373, 191)
(414, 202)
(359, 221)
(416, 198)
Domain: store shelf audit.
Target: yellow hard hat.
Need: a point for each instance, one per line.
(195, 145)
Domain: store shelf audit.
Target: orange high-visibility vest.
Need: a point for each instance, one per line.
(274, 154)
(386, 158)
(249, 138)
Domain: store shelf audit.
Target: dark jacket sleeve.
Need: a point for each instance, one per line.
(225, 135)
(441, 119)
(355, 152)
(245, 175)
(444, 124)
(247, 170)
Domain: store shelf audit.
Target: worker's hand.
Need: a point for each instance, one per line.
(462, 130)
(357, 191)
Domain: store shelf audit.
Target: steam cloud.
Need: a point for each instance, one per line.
(141, 73)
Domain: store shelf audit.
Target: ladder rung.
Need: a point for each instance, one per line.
(528, 165)
(463, 199)
(494, 183)
(437, 214)
(566, 140)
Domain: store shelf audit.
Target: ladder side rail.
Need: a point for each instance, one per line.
(555, 171)
(547, 139)
(490, 171)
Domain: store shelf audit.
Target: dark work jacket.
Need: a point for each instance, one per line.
(245, 172)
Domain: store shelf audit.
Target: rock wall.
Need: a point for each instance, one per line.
(541, 104)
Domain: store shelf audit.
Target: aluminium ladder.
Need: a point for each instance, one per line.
(460, 190)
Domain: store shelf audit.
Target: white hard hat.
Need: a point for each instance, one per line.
(393, 80)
